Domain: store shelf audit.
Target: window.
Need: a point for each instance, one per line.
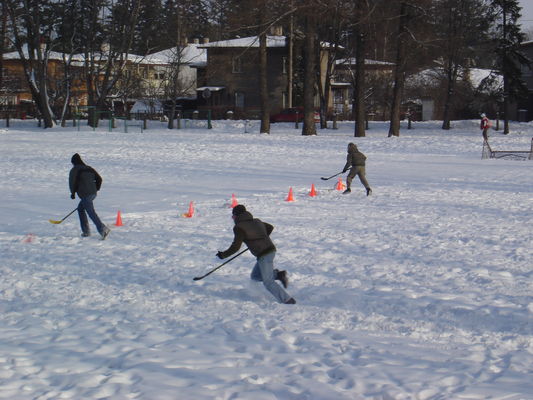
(237, 65)
(239, 100)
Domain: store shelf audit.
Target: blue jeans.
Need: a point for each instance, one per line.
(263, 271)
(86, 207)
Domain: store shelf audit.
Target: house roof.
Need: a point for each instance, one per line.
(190, 54)
(52, 55)
(80, 58)
(352, 61)
(251, 41)
(431, 77)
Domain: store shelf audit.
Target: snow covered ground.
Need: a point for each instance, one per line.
(423, 290)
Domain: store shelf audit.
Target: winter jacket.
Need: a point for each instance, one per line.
(354, 158)
(84, 180)
(484, 124)
(254, 233)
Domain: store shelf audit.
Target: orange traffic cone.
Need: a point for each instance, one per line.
(290, 196)
(312, 193)
(233, 201)
(190, 213)
(119, 219)
(340, 185)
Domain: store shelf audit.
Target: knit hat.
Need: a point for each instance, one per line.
(76, 160)
(238, 209)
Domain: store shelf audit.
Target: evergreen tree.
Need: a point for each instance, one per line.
(510, 59)
(149, 29)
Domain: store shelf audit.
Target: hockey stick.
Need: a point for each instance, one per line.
(53, 221)
(221, 265)
(332, 176)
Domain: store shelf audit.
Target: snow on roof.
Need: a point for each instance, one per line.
(189, 54)
(52, 55)
(251, 41)
(352, 61)
(210, 88)
(432, 77)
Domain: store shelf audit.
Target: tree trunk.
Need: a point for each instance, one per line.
(451, 79)
(399, 73)
(359, 93)
(309, 127)
(263, 84)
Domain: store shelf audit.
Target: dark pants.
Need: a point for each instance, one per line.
(86, 207)
(360, 172)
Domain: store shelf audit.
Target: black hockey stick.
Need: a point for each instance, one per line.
(197, 278)
(332, 176)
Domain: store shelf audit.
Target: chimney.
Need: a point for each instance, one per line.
(276, 30)
(196, 41)
(42, 43)
(206, 40)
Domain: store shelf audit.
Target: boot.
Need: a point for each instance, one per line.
(348, 190)
(368, 191)
(282, 276)
(290, 301)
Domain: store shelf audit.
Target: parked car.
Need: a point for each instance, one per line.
(292, 114)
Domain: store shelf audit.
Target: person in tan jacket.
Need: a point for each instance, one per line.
(355, 162)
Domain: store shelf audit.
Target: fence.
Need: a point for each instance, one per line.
(488, 152)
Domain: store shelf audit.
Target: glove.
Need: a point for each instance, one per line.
(220, 255)
(72, 196)
(344, 170)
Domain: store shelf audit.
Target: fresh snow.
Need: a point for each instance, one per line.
(421, 291)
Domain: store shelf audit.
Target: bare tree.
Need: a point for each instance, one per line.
(461, 25)
(399, 70)
(32, 25)
(310, 70)
(106, 44)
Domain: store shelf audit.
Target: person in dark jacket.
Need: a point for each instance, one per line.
(86, 182)
(256, 235)
(355, 162)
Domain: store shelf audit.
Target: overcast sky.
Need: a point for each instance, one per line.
(527, 14)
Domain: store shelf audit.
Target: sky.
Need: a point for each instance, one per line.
(527, 14)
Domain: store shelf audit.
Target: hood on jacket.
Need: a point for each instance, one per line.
(352, 148)
(76, 160)
(244, 216)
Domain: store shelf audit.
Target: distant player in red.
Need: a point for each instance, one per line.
(484, 126)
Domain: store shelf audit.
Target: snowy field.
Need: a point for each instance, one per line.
(422, 291)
